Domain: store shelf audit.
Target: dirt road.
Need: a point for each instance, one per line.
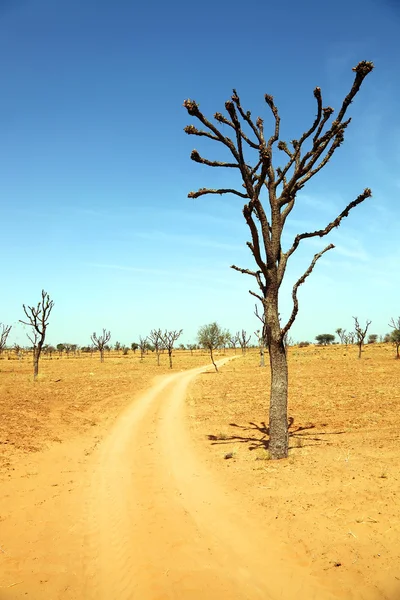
(140, 517)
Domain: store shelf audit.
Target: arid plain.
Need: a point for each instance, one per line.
(112, 487)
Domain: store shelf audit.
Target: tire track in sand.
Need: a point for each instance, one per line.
(159, 525)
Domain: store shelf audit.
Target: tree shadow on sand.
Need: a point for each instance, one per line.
(257, 435)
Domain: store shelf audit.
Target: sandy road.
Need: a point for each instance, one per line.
(159, 526)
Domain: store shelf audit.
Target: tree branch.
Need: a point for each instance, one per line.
(204, 191)
(245, 271)
(246, 116)
(296, 287)
(192, 130)
(193, 109)
(322, 232)
(222, 119)
(195, 156)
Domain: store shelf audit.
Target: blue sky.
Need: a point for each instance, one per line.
(95, 166)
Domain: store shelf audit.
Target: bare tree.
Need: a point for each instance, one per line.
(342, 334)
(4, 332)
(261, 346)
(155, 337)
(360, 334)
(168, 339)
(395, 335)
(211, 337)
(143, 344)
(38, 319)
(304, 159)
(234, 340)
(350, 338)
(100, 342)
(243, 340)
(18, 351)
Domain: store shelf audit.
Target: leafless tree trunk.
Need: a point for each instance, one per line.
(100, 341)
(395, 336)
(342, 335)
(168, 340)
(360, 334)
(18, 351)
(304, 159)
(4, 331)
(155, 337)
(38, 319)
(142, 346)
(234, 340)
(243, 340)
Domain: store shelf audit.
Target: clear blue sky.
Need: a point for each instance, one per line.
(95, 166)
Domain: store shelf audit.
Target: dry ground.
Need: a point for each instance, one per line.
(330, 510)
(336, 500)
(71, 396)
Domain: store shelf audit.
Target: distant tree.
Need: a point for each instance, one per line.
(168, 339)
(261, 346)
(395, 335)
(48, 350)
(349, 338)
(156, 338)
(60, 349)
(243, 340)
(211, 337)
(38, 320)
(143, 346)
(67, 349)
(360, 334)
(234, 341)
(324, 339)
(304, 344)
(372, 338)
(125, 350)
(117, 347)
(226, 336)
(134, 347)
(18, 351)
(100, 341)
(4, 332)
(342, 334)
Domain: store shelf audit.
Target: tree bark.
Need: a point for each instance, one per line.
(35, 363)
(278, 422)
(212, 360)
(170, 358)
